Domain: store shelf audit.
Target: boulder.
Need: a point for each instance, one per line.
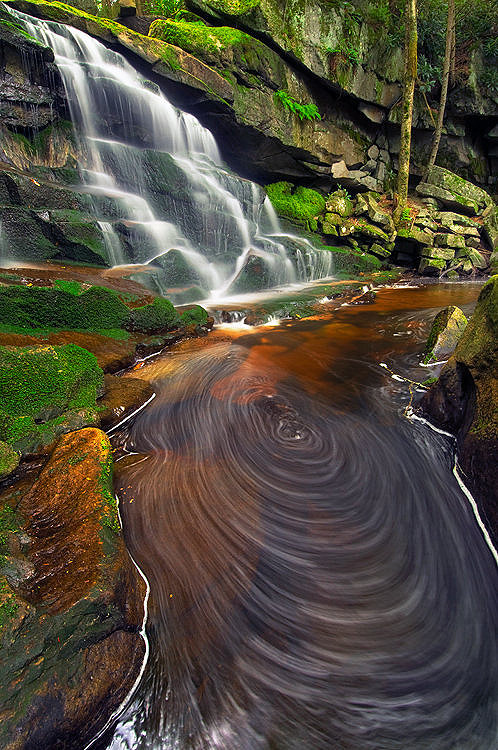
(455, 192)
(339, 203)
(464, 401)
(72, 608)
(449, 240)
(46, 391)
(446, 330)
(9, 460)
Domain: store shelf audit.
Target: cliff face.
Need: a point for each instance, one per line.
(302, 85)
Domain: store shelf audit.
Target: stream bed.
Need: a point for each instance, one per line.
(317, 577)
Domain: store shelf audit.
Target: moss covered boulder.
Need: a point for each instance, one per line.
(71, 601)
(9, 459)
(464, 401)
(44, 392)
(454, 192)
(446, 330)
(302, 206)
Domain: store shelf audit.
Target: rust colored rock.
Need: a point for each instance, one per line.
(71, 648)
(121, 398)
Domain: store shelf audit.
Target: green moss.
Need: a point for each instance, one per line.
(110, 517)
(73, 287)
(8, 603)
(195, 316)
(300, 205)
(45, 307)
(159, 316)
(9, 460)
(196, 37)
(42, 388)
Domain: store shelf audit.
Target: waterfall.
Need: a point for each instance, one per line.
(160, 191)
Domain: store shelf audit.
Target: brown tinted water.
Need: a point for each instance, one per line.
(318, 579)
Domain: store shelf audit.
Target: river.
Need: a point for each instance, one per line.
(317, 577)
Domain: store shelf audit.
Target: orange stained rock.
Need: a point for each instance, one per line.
(68, 510)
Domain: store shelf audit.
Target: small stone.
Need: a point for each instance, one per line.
(382, 252)
(373, 152)
(473, 242)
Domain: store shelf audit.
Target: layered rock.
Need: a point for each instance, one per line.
(71, 601)
(328, 59)
(464, 401)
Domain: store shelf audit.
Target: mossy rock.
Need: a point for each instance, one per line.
(446, 330)
(45, 307)
(196, 316)
(153, 318)
(9, 459)
(70, 601)
(302, 206)
(340, 203)
(46, 391)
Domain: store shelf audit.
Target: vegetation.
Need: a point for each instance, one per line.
(158, 316)
(300, 205)
(195, 316)
(303, 111)
(195, 37)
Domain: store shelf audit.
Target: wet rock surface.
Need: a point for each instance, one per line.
(464, 401)
(71, 601)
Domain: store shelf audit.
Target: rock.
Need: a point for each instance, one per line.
(122, 396)
(373, 113)
(373, 152)
(127, 8)
(490, 226)
(339, 203)
(46, 391)
(380, 250)
(446, 330)
(416, 236)
(71, 648)
(367, 298)
(474, 256)
(431, 266)
(9, 460)
(443, 253)
(464, 401)
(449, 240)
(454, 191)
(378, 215)
(354, 179)
(330, 224)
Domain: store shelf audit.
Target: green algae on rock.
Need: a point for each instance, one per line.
(70, 600)
(302, 206)
(46, 391)
(446, 330)
(464, 400)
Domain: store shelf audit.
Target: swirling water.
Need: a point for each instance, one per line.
(318, 579)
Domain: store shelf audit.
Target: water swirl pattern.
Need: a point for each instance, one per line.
(317, 576)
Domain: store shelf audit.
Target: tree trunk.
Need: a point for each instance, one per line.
(410, 76)
(450, 32)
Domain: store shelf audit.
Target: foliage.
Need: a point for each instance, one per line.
(166, 8)
(195, 316)
(428, 74)
(158, 316)
(300, 205)
(303, 111)
(346, 51)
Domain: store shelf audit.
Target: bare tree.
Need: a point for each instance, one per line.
(410, 76)
(449, 56)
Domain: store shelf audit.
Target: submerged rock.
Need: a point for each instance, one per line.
(446, 330)
(464, 401)
(71, 601)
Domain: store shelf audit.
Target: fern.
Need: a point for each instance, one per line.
(303, 111)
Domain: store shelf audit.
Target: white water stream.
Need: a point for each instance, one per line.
(161, 172)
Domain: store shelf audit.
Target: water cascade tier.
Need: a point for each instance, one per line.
(160, 191)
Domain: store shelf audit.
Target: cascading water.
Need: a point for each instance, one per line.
(161, 193)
